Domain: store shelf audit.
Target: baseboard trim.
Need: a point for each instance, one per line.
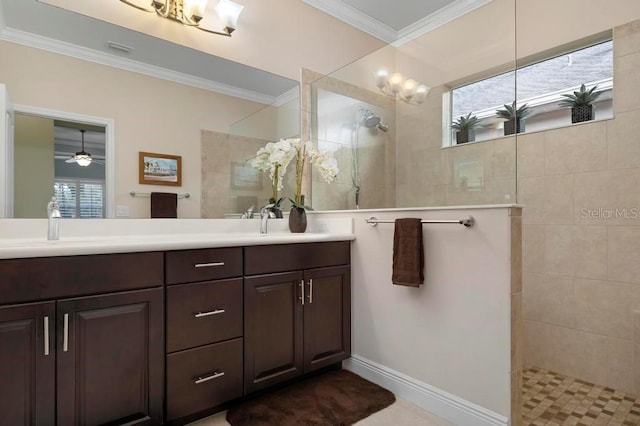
(437, 401)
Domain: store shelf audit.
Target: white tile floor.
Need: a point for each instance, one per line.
(400, 413)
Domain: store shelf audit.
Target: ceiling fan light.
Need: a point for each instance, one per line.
(83, 160)
(229, 12)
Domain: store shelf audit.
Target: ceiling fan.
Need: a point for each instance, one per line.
(82, 158)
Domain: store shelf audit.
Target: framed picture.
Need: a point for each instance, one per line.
(159, 169)
(243, 176)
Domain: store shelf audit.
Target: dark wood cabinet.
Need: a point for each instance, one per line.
(204, 377)
(273, 329)
(103, 363)
(27, 364)
(327, 317)
(204, 330)
(110, 359)
(299, 321)
(87, 344)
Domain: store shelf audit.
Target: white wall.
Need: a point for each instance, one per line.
(452, 333)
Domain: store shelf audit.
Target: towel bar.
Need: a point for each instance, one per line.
(146, 194)
(466, 221)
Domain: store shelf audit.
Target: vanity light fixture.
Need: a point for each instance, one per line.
(399, 87)
(191, 12)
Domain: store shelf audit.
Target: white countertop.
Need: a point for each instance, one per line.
(85, 237)
(26, 247)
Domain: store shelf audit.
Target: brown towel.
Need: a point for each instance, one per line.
(164, 204)
(408, 253)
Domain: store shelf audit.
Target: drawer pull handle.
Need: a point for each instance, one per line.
(65, 335)
(206, 314)
(208, 265)
(301, 285)
(210, 377)
(46, 336)
(310, 290)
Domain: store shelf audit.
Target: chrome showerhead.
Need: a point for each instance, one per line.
(369, 119)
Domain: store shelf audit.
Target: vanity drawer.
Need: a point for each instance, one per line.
(292, 257)
(218, 370)
(24, 280)
(202, 313)
(186, 266)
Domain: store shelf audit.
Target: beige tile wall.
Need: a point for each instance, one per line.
(581, 295)
(219, 151)
(432, 176)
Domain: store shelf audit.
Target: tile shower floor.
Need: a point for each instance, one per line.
(552, 399)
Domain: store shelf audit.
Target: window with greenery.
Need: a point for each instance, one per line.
(545, 91)
(80, 198)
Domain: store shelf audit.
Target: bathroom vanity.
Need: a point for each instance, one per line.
(157, 336)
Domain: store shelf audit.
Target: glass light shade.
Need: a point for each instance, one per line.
(382, 76)
(395, 82)
(229, 12)
(409, 88)
(421, 93)
(83, 160)
(195, 8)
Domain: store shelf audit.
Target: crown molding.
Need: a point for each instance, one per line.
(437, 19)
(355, 18)
(96, 56)
(288, 96)
(371, 26)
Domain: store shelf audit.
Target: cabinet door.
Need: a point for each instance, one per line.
(27, 364)
(327, 316)
(272, 329)
(110, 359)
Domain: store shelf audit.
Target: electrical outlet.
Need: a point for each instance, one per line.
(122, 211)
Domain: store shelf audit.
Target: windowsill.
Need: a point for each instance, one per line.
(597, 120)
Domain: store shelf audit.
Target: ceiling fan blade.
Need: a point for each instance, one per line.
(70, 160)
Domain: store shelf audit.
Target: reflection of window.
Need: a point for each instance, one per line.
(80, 198)
(539, 85)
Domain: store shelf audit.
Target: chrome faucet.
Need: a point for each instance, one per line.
(248, 214)
(265, 214)
(53, 215)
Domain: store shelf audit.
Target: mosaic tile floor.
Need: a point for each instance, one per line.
(552, 399)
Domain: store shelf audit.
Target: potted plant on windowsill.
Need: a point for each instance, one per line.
(581, 103)
(464, 126)
(514, 116)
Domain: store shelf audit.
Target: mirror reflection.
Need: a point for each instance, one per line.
(428, 120)
(61, 158)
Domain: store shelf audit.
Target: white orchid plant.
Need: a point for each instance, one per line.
(274, 158)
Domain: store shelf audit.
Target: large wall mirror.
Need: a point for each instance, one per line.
(397, 144)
